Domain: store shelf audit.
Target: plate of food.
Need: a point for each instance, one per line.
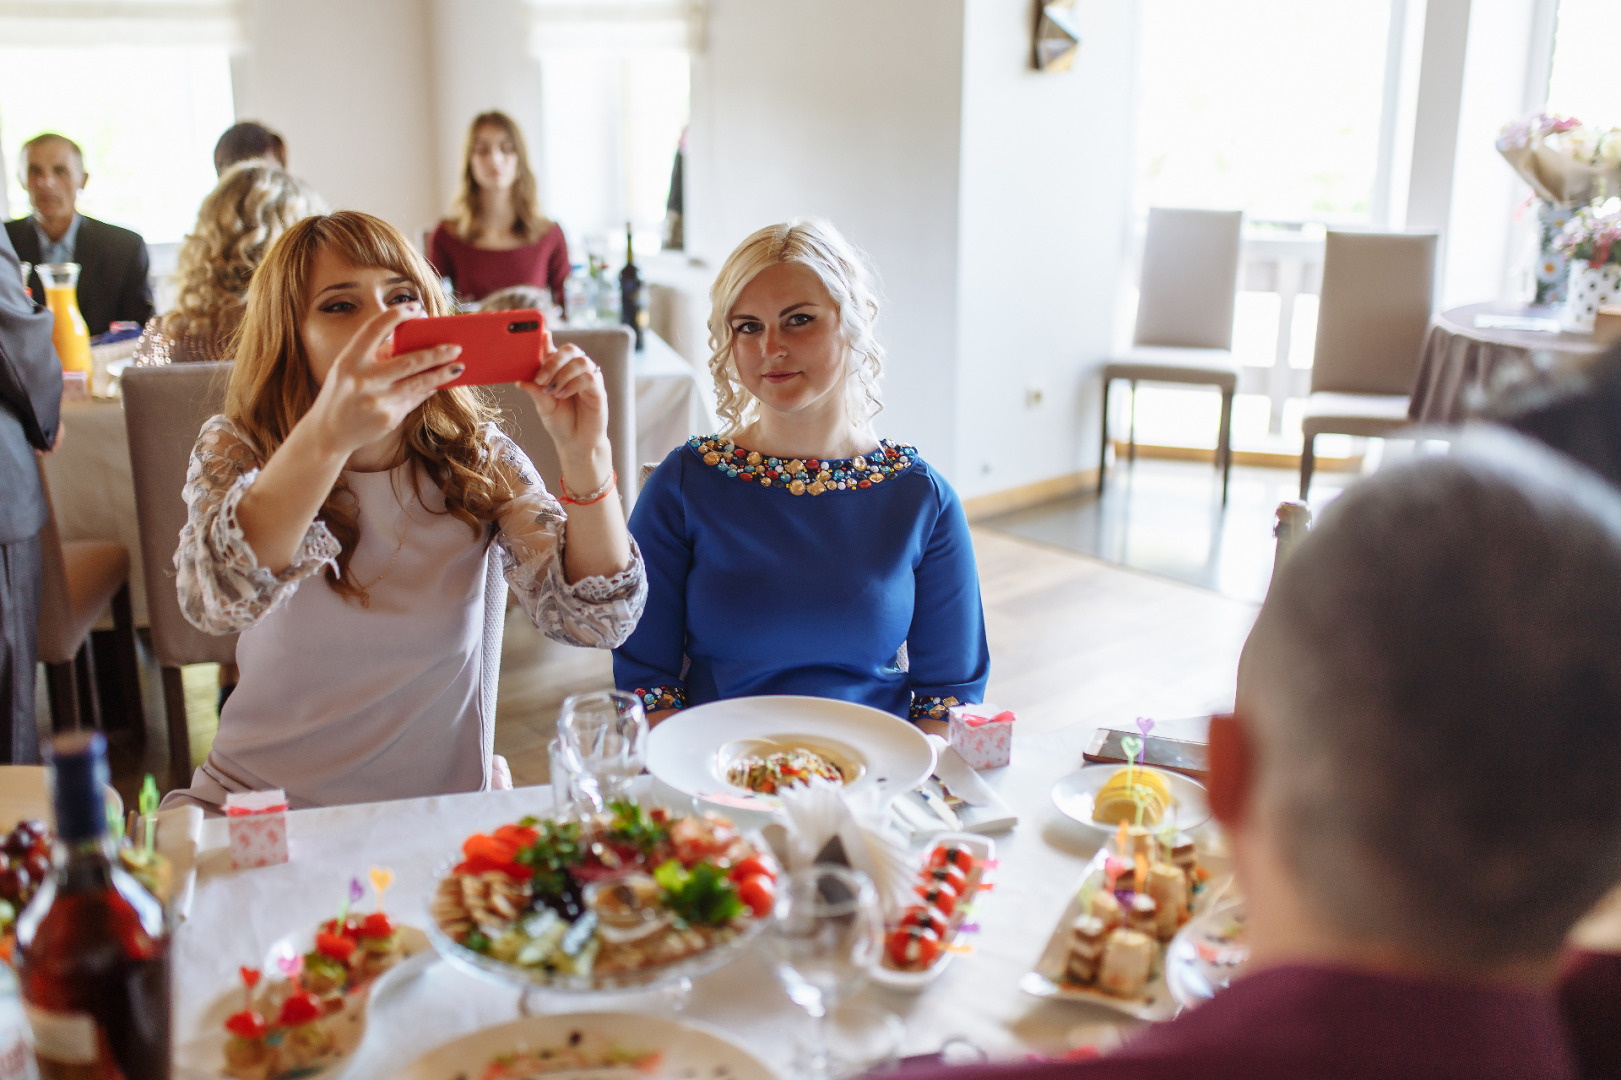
(303, 1013)
(601, 1045)
(1208, 953)
(742, 751)
(921, 938)
(1109, 945)
(626, 898)
(1145, 799)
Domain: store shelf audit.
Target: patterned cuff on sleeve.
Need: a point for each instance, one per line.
(654, 698)
(931, 708)
(317, 549)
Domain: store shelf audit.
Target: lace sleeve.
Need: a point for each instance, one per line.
(222, 587)
(597, 612)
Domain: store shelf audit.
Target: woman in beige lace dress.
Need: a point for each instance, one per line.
(252, 204)
(344, 511)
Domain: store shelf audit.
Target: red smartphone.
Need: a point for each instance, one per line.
(497, 346)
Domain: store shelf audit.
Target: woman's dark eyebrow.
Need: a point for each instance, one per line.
(792, 307)
(400, 279)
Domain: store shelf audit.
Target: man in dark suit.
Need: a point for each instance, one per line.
(30, 399)
(1418, 785)
(112, 261)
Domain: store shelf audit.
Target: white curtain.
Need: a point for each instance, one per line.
(615, 25)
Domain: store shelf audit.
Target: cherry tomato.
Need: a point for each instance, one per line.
(300, 1008)
(247, 1024)
(940, 896)
(913, 948)
(759, 893)
(924, 918)
(753, 866)
(337, 946)
(495, 848)
(377, 925)
(952, 855)
(349, 929)
(948, 875)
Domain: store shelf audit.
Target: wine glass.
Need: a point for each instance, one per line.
(827, 932)
(603, 738)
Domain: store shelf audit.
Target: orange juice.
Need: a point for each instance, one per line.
(70, 335)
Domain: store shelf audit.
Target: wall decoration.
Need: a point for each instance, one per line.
(1058, 35)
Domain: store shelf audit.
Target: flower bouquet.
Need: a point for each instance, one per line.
(1566, 163)
(1591, 241)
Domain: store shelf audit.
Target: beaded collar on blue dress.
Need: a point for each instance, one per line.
(804, 476)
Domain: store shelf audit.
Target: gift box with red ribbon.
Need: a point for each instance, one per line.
(257, 822)
(981, 734)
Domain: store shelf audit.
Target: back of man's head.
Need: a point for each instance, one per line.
(1435, 686)
(245, 142)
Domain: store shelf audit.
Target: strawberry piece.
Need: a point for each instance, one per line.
(247, 1024)
(377, 926)
(338, 946)
(300, 1008)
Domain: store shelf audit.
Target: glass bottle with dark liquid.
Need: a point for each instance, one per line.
(95, 949)
(630, 290)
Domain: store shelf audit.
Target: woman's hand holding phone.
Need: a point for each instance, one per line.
(367, 393)
(572, 401)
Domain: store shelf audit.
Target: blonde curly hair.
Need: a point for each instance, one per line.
(848, 277)
(253, 203)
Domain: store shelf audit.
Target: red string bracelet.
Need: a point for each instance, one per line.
(593, 498)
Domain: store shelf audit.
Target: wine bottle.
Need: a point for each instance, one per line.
(95, 949)
(630, 290)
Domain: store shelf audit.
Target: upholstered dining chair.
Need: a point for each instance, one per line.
(82, 579)
(612, 349)
(164, 409)
(1372, 316)
(1184, 333)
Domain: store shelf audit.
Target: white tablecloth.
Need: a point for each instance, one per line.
(238, 914)
(94, 495)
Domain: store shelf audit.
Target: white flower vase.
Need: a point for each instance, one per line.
(1589, 290)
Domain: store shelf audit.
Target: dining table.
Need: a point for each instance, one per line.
(237, 915)
(93, 491)
(1478, 350)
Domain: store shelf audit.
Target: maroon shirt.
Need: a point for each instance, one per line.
(476, 273)
(1312, 1023)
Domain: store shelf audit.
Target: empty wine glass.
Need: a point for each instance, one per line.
(603, 737)
(827, 933)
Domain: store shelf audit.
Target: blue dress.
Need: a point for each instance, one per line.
(768, 576)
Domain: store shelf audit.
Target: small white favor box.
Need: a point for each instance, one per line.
(981, 734)
(257, 821)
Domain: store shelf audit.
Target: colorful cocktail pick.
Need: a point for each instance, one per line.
(381, 879)
(148, 803)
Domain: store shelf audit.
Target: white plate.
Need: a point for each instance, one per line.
(967, 910)
(1156, 1002)
(687, 1048)
(1207, 953)
(691, 749)
(1075, 795)
(204, 1056)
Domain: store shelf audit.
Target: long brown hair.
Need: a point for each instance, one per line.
(271, 385)
(531, 224)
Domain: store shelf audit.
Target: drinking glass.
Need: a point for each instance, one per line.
(603, 739)
(827, 933)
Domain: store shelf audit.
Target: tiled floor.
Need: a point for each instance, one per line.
(1166, 517)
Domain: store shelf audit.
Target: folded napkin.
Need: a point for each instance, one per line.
(180, 833)
(982, 809)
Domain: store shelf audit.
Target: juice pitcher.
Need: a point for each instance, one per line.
(70, 335)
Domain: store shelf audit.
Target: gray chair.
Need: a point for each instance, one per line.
(164, 409)
(81, 580)
(612, 349)
(1373, 314)
(1184, 332)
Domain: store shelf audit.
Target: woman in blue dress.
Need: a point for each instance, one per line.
(797, 553)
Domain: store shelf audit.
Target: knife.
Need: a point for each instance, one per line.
(932, 798)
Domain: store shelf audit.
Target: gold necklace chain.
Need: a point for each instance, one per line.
(365, 589)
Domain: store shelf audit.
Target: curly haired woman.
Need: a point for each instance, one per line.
(252, 204)
(345, 514)
(797, 553)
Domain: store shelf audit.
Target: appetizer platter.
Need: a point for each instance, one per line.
(1145, 799)
(741, 752)
(1109, 945)
(302, 1014)
(628, 897)
(921, 938)
(606, 1046)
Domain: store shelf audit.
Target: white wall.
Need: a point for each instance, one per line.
(351, 86)
(849, 110)
(1045, 212)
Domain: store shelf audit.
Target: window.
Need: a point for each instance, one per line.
(147, 117)
(1272, 106)
(1582, 83)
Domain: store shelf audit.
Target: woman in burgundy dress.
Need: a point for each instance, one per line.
(496, 235)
